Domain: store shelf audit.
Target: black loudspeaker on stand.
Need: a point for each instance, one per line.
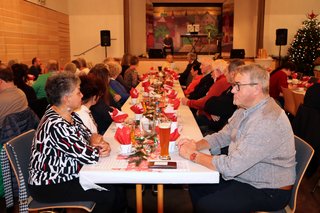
(281, 39)
(105, 40)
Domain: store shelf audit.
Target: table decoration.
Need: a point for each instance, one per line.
(173, 94)
(118, 117)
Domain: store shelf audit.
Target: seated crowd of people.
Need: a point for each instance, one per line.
(74, 106)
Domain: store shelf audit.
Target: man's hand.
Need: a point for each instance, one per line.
(186, 148)
(215, 118)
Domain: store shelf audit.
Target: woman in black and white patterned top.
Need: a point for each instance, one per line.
(61, 145)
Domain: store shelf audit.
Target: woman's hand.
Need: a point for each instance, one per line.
(116, 98)
(104, 149)
(95, 139)
(184, 101)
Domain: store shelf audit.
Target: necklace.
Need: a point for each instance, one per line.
(65, 114)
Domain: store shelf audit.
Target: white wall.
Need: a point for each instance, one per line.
(87, 18)
(138, 44)
(245, 26)
(285, 14)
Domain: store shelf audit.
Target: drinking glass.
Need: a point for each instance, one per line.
(164, 137)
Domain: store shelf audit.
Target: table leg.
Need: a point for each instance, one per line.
(139, 203)
(160, 198)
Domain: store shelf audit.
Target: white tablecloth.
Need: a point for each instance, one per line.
(111, 170)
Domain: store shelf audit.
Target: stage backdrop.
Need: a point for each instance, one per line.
(215, 21)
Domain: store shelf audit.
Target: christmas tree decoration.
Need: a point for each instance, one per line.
(305, 45)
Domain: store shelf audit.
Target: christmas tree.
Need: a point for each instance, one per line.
(305, 47)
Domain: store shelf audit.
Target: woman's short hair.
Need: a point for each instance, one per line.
(82, 61)
(114, 69)
(6, 73)
(257, 74)
(70, 67)
(90, 86)
(59, 85)
(134, 60)
(20, 72)
(220, 65)
(196, 67)
(125, 61)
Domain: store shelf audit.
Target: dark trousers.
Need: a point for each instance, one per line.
(234, 196)
(113, 200)
(165, 50)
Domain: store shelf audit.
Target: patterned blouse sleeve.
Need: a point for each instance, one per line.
(73, 141)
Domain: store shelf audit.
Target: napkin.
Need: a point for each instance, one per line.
(170, 113)
(174, 135)
(134, 93)
(175, 103)
(137, 108)
(145, 76)
(175, 75)
(173, 94)
(294, 75)
(118, 116)
(171, 116)
(169, 83)
(309, 85)
(167, 88)
(122, 135)
(145, 83)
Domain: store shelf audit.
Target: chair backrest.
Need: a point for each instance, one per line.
(16, 123)
(18, 151)
(298, 99)
(289, 104)
(304, 153)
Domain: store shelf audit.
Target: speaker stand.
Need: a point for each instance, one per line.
(105, 52)
(280, 61)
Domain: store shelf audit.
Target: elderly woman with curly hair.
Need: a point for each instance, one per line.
(62, 145)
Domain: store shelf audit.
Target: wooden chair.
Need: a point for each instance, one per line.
(289, 104)
(18, 151)
(298, 99)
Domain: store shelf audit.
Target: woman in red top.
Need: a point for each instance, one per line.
(196, 77)
(220, 85)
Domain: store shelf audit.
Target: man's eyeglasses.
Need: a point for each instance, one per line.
(237, 85)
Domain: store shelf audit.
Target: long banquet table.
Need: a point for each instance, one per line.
(113, 171)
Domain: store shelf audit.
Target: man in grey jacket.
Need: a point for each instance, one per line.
(259, 170)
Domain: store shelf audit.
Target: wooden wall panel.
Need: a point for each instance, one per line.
(28, 30)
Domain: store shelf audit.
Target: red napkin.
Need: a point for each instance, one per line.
(144, 76)
(305, 78)
(137, 108)
(122, 135)
(118, 116)
(145, 83)
(175, 75)
(294, 75)
(175, 103)
(175, 135)
(173, 94)
(134, 93)
(309, 85)
(171, 116)
(169, 83)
